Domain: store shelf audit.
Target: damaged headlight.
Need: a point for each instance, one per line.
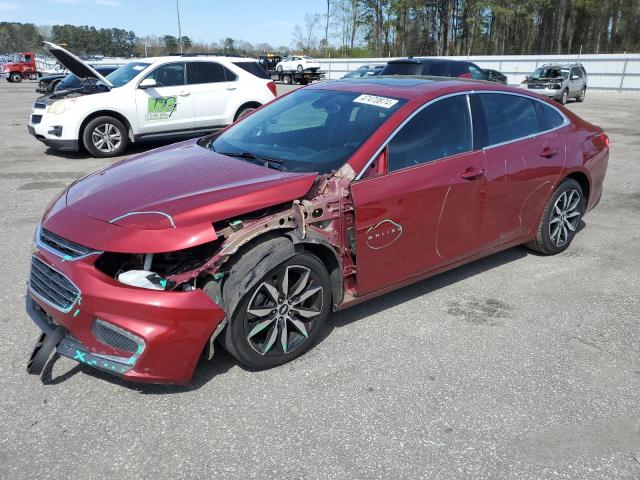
(153, 271)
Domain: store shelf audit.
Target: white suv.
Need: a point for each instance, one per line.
(162, 96)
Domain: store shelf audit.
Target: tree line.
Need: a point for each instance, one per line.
(470, 27)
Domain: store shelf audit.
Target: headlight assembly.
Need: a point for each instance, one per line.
(59, 107)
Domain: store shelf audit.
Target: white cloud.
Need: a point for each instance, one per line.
(7, 7)
(108, 3)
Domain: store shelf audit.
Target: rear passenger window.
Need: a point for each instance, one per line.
(438, 69)
(548, 117)
(206, 72)
(508, 117)
(253, 68)
(440, 130)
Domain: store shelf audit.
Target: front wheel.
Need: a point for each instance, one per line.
(287, 79)
(282, 314)
(560, 219)
(279, 68)
(563, 98)
(16, 77)
(105, 137)
(300, 68)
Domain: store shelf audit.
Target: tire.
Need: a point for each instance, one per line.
(299, 68)
(16, 77)
(563, 98)
(243, 112)
(583, 93)
(287, 80)
(279, 68)
(304, 81)
(263, 332)
(96, 130)
(562, 208)
(53, 85)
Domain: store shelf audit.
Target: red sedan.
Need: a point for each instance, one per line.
(326, 197)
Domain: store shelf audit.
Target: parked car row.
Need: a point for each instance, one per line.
(67, 81)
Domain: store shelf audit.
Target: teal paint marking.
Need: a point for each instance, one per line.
(163, 283)
(218, 275)
(76, 313)
(79, 356)
(235, 222)
(67, 257)
(79, 300)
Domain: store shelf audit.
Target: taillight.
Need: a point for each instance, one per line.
(272, 87)
(605, 139)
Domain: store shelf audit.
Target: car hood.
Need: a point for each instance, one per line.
(74, 64)
(189, 183)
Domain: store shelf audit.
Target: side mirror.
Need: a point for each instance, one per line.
(574, 77)
(147, 83)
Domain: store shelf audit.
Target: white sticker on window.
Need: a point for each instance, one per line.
(383, 102)
(138, 67)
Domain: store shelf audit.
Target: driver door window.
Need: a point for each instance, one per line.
(169, 105)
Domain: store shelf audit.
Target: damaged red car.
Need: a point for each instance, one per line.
(326, 197)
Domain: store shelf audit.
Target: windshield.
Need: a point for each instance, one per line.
(308, 130)
(546, 72)
(124, 74)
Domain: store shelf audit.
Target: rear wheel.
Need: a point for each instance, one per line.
(287, 79)
(16, 77)
(282, 314)
(243, 112)
(560, 219)
(105, 137)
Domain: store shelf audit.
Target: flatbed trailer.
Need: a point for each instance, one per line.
(290, 77)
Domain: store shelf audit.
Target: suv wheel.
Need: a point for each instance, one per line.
(282, 314)
(300, 68)
(564, 97)
(560, 219)
(582, 95)
(243, 113)
(105, 137)
(16, 77)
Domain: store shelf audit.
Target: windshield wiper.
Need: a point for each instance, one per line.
(266, 162)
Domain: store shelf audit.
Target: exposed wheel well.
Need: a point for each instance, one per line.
(583, 180)
(328, 257)
(246, 105)
(107, 113)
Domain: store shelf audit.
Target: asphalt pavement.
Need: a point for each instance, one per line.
(516, 366)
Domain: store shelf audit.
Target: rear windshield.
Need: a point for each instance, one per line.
(402, 68)
(253, 68)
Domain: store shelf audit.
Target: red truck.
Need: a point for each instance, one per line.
(21, 66)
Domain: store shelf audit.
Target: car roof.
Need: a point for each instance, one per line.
(423, 60)
(203, 58)
(412, 86)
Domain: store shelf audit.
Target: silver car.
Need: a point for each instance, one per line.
(559, 81)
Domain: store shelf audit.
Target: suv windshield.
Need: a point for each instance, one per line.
(547, 72)
(308, 130)
(124, 74)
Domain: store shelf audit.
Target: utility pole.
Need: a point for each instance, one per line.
(179, 27)
(326, 32)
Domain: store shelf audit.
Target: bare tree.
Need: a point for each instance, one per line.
(305, 37)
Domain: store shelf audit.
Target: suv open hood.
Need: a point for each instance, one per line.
(72, 63)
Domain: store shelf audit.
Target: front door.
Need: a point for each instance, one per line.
(423, 212)
(168, 106)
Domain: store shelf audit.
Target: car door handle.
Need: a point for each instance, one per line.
(184, 93)
(232, 88)
(472, 173)
(548, 152)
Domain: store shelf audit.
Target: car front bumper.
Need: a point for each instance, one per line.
(547, 92)
(174, 326)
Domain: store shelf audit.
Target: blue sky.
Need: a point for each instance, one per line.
(270, 21)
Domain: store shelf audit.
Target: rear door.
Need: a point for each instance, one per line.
(213, 87)
(423, 212)
(575, 81)
(522, 163)
(169, 105)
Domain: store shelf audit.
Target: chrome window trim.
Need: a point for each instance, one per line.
(468, 93)
(40, 297)
(58, 253)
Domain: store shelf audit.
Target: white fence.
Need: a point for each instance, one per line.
(606, 71)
